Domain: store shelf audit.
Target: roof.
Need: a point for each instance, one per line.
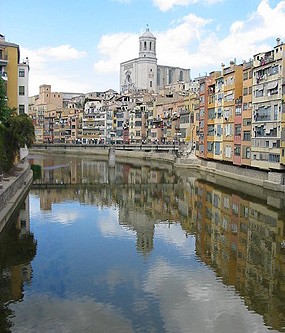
(147, 33)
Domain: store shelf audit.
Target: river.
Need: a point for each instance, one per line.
(141, 247)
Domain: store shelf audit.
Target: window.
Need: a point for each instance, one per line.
(211, 114)
(237, 130)
(219, 113)
(235, 211)
(181, 76)
(21, 90)
(275, 109)
(158, 76)
(21, 109)
(21, 73)
(237, 150)
(247, 152)
(273, 70)
(246, 122)
(228, 151)
(238, 110)
(210, 146)
(246, 136)
(274, 158)
(259, 93)
(210, 130)
(219, 130)
(217, 148)
(150, 84)
(228, 129)
(170, 76)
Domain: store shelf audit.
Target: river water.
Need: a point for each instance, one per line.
(141, 248)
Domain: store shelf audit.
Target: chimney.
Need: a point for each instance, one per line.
(278, 41)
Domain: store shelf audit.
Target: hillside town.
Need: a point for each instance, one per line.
(235, 114)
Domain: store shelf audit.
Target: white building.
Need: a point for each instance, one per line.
(23, 87)
(144, 74)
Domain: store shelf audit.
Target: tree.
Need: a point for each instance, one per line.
(5, 111)
(16, 131)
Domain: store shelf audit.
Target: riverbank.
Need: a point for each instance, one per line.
(15, 186)
(268, 180)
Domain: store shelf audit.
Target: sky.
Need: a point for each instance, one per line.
(77, 46)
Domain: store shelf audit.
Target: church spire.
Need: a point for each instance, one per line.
(147, 44)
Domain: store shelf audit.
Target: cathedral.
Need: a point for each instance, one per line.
(144, 74)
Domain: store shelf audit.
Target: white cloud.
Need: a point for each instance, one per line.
(62, 52)
(46, 67)
(165, 5)
(173, 234)
(194, 301)
(245, 38)
(58, 53)
(109, 225)
(115, 49)
(43, 313)
(202, 50)
(171, 48)
(190, 42)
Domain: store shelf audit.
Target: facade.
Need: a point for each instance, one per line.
(246, 114)
(268, 108)
(144, 74)
(15, 75)
(235, 115)
(23, 87)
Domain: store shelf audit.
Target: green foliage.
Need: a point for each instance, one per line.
(20, 131)
(5, 111)
(37, 171)
(16, 131)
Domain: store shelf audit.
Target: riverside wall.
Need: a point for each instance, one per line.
(274, 181)
(209, 170)
(13, 190)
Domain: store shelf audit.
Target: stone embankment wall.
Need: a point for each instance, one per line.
(103, 153)
(267, 179)
(270, 180)
(14, 189)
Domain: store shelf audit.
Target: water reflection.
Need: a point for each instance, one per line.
(17, 249)
(241, 238)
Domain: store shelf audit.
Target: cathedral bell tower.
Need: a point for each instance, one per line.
(147, 43)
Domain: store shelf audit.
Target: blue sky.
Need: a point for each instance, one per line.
(77, 46)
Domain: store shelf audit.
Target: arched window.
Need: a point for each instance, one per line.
(181, 76)
(144, 47)
(150, 46)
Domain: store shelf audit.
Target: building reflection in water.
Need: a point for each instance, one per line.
(240, 237)
(17, 250)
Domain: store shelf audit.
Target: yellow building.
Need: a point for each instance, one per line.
(15, 75)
